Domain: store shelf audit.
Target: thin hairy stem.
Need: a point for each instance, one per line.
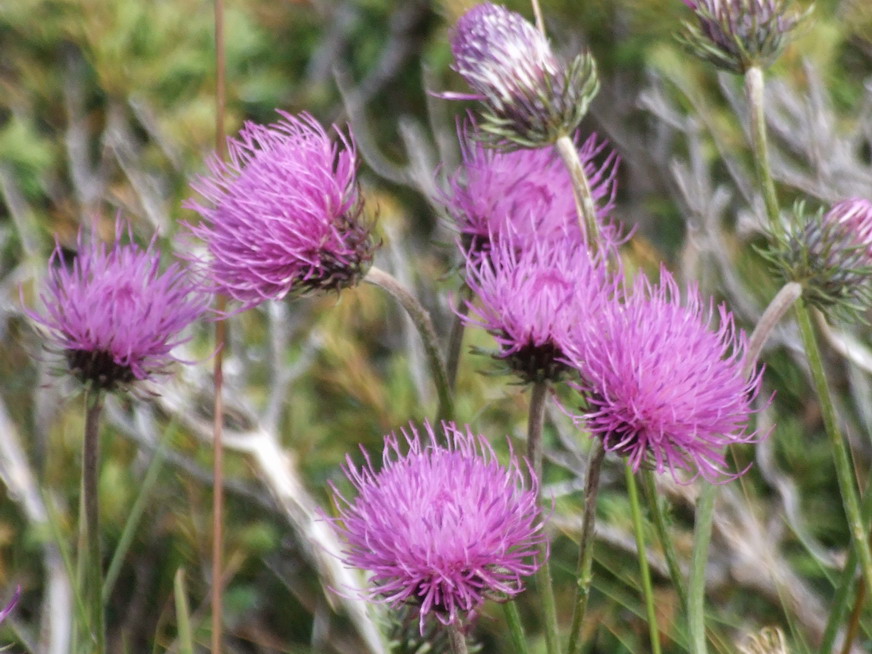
(702, 534)
(457, 639)
(90, 477)
(645, 573)
(584, 203)
(421, 319)
(776, 310)
(585, 546)
(650, 487)
(516, 628)
(537, 13)
(754, 92)
(455, 338)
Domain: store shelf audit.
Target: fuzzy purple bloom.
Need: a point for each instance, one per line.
(526, 193)
(531, 97)
(283, 215)
(663, 387)
(854, 218)
(442, 526)
(532, 300)
(113, 314)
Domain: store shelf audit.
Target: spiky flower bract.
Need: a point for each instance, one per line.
(283, 215)
(532, 300)
(442, 526)
(737, 34)
(830, 255)
(524, 193)
(662, 386)
(531, 97)
(113, 314)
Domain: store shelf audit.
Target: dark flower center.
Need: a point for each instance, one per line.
(538, 362)
(98, 368)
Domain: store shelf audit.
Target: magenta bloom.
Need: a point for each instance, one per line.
(113, 314)
(283, 215)
(854, 218)
(442, 526)
(525, 193)
(662, 386)
(531, 97)
(532, 301)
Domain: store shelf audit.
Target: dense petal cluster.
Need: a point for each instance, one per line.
(526, 193)
(534, 300)
(662, 386)
(531, 97)
(738, 34)
(283, 215)
(442, 526)
(112, 312)
(830, 255)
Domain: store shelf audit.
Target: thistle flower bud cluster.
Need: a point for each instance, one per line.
(830, 255)
(737, 34)
(531, 97)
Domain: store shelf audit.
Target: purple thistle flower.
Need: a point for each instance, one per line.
(661, 385)
(738, 34)
(854, 218)
(283, 215)
(441, 527)
(113, 314)
(525, 193)
(532, 301)
(531, 97)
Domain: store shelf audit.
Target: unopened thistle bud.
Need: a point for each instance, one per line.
(737, 34)
(830, 255)
(531, 97)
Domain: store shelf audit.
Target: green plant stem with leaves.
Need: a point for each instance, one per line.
(585, 546)
(644, 572)
(538, 397)
(93, 565)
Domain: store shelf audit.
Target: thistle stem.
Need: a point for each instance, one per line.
(650, 487)
(584, 203)
(645, 573)
(534, 455)
(841, 458)
(702, 534)
(93, 557)
(516, 628)
(457, 639)
(754, 92)
(421, 318)
(537, 13)
(455, 338)
(585, 546)
(773, 314)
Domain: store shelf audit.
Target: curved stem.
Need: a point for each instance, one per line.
(455, 338)
(534, 455)
(779, 306)
(516, 628)
(702, 534)
(841, 459)
(90, 477)
(421, 318)
(584, 203)
(585, 547)
(457, 639)
(650, 487)
(754, 93)
(645, 573)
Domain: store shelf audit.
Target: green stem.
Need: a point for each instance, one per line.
(421, 318)
(584, 203)
(455, 338)
(841, 459)
(702, 534)
(534, 455)
(90, 478)
(844, 585)
(516, 629)
(754, 92)
(639, 530)
(585, 547)
(457, 639)
(773, 314)
(650, 487)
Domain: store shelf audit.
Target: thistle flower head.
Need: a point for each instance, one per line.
(532, 300)
(442, 525)
(737, 34)
(499, 194)
(830, 255)
(531, 97)
(662, 386)
(113, 314)
(283, 215)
